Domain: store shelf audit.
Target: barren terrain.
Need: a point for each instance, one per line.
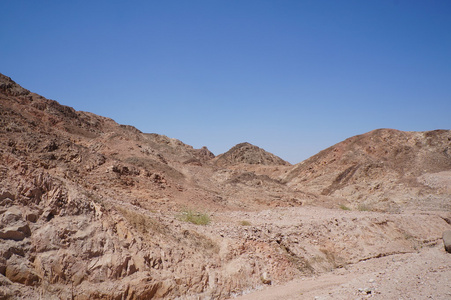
(91, 209)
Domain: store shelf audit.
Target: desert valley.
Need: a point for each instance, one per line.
(91, 209)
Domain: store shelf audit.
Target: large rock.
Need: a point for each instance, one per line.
(447, 240)
(10, 216)
(17, 232)
(21, 271)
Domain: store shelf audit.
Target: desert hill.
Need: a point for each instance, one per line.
(382, 169)
(91, 209)
(246, 153)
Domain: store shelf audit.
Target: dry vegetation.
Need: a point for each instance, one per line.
(195, 217)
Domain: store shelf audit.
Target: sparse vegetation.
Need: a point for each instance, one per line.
(344, 207)
(143, 223)
(195, 217)
(245, 223)
(364, 207)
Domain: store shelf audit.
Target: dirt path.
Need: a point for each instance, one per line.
(422, 275)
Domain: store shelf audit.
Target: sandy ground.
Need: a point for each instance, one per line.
(422, 275)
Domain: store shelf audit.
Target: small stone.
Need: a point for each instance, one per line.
(32, 217)
(447, 240)
(266, 278)
(366, 291)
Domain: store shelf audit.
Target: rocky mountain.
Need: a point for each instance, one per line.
(383, 169)
(91, 209)
(246, 153)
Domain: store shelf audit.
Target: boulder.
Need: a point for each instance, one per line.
(17, 232)
(11, 215)
(21, 271)
(447, 240)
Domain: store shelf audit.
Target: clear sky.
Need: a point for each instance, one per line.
(292, 77)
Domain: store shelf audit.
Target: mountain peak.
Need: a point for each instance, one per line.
(249, 154)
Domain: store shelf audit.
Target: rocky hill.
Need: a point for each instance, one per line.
(383, 169)
(246, 153)
(91, 209)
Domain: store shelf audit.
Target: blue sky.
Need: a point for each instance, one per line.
(293, 77)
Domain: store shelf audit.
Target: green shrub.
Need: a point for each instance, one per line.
(344, 207)
(245, 223)
(195, 217)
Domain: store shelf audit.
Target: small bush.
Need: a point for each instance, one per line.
(143, 223)
(195, 217)
(364, 207)
(245, 223)
(344, 207)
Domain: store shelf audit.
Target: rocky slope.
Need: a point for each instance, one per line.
(90, 209)
(384, 169)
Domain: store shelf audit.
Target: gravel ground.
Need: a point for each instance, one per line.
(422, 275)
